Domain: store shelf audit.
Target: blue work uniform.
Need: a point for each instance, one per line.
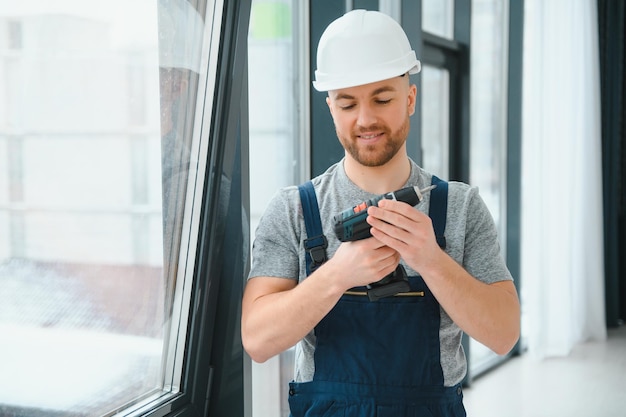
(380, 358)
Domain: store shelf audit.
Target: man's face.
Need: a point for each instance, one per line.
(372, 120)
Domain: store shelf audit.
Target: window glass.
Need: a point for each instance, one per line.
(489, 105)
(274, 81)
(438, 17)
(96, 115)
(278, 88)
(435, 124)
(488, 109)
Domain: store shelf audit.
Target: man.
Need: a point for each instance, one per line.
(400, 355)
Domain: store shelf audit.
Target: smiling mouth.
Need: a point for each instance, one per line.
(369, 136)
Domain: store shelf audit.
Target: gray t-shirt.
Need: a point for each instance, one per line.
(471, 240)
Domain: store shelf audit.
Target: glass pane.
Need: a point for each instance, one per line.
(278, 133)
(273, 83)
(489, 104)
(435, 120)
(488, 84)
(438, 17)
(94, 161)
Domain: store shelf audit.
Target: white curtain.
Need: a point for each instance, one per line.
(562, 230)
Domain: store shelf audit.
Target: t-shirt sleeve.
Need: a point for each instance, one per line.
(275, 251)
(482, 256)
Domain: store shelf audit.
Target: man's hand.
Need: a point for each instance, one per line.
(363, 261)
(489, 313)
(406, 230)
(278, 312)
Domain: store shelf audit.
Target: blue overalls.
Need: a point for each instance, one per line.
(380, 358)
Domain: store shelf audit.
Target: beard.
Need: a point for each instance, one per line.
(377, 154)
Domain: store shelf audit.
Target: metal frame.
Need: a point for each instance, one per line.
(213, 373)
(514, 144)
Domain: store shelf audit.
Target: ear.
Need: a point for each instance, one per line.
(412, 97)
(330, 106)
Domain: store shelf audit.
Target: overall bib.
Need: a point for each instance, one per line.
(379, 358)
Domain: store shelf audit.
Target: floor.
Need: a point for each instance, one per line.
(591, 382)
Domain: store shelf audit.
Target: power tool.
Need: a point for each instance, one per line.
(351, 225)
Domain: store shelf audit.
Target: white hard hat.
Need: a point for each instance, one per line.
(362, 47)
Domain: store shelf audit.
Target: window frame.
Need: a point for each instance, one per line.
(209, 349)
(213, 380)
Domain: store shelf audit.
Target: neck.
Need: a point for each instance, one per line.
(381, 179)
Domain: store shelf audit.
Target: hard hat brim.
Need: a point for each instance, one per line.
(328, 82)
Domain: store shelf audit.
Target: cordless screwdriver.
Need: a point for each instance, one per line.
(351, 225)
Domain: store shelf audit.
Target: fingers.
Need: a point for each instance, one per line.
(365, 261)
(400, 226)
(393, 217)
(372, 252)
(397, 213)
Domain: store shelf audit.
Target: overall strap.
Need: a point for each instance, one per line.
(316, 243)
(439, 209)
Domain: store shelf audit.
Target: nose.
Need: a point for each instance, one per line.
(366, 116)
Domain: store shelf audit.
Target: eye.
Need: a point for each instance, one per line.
(383, 102)
(347, 107)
